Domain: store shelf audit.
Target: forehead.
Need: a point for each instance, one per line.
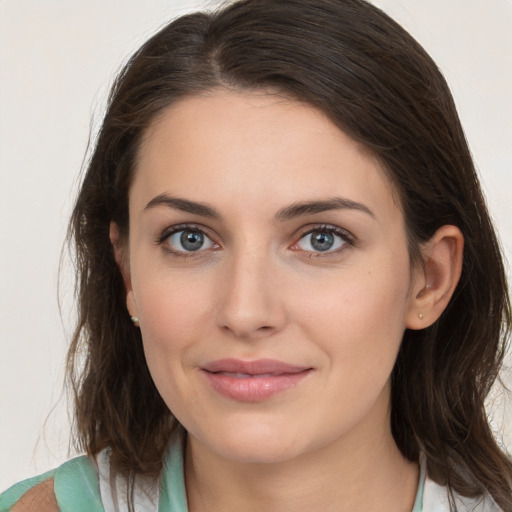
(226, 146)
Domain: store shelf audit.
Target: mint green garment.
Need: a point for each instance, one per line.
(77, 488)
(173, 496)
(75, 484)
(418, 502)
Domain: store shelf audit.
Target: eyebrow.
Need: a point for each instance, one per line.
(309, 207)
(183, 205)
(294, 210)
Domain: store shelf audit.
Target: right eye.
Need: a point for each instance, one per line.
(187, 240)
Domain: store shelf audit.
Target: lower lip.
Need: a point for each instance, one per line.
(254, 388)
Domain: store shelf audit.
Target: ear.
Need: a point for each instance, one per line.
(124, 266)
(435, 282)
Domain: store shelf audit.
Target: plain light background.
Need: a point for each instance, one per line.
(57, 60)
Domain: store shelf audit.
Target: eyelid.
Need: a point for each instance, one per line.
(348, 238)
(171, 230)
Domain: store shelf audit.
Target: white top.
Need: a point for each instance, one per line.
(435, 499)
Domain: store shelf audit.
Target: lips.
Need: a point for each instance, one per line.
(253, 381)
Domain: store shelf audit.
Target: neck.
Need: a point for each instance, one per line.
(342, 476)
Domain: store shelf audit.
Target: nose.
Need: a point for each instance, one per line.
(250, 303)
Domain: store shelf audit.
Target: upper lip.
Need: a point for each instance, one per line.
(256, 367)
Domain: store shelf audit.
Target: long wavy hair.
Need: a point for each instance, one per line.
(377, 84)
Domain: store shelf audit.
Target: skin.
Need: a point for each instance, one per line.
(258, 288)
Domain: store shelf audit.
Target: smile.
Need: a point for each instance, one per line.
(253, 381)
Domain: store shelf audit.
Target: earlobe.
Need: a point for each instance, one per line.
(436, 281)
(132, 307)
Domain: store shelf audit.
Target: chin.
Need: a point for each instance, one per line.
(256, 444)
(258, 452)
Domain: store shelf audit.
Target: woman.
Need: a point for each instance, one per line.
(291, 294)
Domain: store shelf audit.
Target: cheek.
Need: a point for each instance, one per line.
(359, 320)
(172, 311)
(173, 315)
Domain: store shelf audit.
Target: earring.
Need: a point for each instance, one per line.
(420, 315)
(135, 320)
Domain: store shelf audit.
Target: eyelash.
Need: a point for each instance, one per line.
(176, 229)
(347, 238)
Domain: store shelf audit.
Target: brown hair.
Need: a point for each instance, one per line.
(376, 83)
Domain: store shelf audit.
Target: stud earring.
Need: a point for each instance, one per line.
(135, 320)
(420, 315)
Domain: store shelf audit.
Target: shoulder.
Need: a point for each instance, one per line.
(73, 484)
(17, 491)
(40, 498)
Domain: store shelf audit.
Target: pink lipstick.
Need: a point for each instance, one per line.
(253, 381)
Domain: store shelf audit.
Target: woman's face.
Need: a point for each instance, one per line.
(269, 269)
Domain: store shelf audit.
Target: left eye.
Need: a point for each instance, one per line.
(189, 240)
(321, 240)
